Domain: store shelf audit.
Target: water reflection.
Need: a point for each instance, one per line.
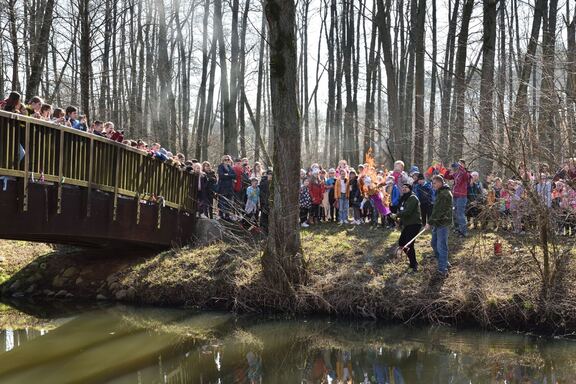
(126, 345)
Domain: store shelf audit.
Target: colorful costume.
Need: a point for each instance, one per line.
(377, 198)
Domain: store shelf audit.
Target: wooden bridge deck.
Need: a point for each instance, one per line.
(61, 185)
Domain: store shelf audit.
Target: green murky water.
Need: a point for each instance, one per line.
(128, 345)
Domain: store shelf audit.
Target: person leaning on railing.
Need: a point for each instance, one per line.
(34, 107)
(13, 104)
(46, 112)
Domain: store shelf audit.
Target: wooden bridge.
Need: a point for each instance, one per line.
(61, 185)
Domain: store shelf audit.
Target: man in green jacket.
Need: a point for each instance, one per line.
(411, 220)
(440, 221)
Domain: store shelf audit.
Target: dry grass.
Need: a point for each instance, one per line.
(355, 271)
(15, 255)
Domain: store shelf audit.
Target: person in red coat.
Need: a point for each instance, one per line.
(317, 189)
(461, 178)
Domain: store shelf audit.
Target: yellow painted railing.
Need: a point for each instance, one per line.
(33, 149)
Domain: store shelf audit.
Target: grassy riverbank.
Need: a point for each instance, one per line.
(353, 271)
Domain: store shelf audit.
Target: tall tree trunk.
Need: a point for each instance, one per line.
(432, 116)
(166, 122)
(447, 85)
(259, 91)
(15, 45)
(206, 130)
(394, 125)
(330, 105)
(487, 87)
(457, 123)
(204, 78)
(240, 79)
(231, 130)
(420, 122)
(408, 100)
(571, 80)
(184, 81)
(39, 52)
(549, 133)
(305, 104)
(228, 118)
(350, 151)
(520, 107)
(85, 56)
(371, 74)
(282, 262)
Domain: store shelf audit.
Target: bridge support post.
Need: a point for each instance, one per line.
(118, 159)
(90, 171)
(26, 166)
(60, 173)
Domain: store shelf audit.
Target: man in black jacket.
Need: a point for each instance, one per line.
(226, 177)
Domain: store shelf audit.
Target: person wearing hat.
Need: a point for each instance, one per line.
(410, 219)
(423, 190)
(440, 221)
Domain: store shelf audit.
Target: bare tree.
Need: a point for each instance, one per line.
(282, 261)
(487, 81)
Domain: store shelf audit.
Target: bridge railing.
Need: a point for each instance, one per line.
(41, 151)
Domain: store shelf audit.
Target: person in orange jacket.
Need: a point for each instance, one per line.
(342, 193)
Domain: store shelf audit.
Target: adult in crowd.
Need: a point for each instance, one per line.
(423, 190)
(461, 178)
(226, 178)
(411, 221)
(440, 221)
(265, 199)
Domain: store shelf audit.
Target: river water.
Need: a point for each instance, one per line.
(118, 344)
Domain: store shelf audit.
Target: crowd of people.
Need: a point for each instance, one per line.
(70, 117)
(438, 198)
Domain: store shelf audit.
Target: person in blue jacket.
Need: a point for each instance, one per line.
(393, 191)
(423, 190)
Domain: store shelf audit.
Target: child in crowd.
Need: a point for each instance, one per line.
(325, 207)
(355, 198)
(317, 193)
(34, 107)
(46, 112)
(59, 117)
(252, 200)
(71, 118)
(476, 199)
(305, 203)
(256, 171)
(211, 182)
(329, 185)
(399, 175)
(342, 193)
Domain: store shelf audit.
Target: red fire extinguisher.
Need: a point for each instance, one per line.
(497, 247)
